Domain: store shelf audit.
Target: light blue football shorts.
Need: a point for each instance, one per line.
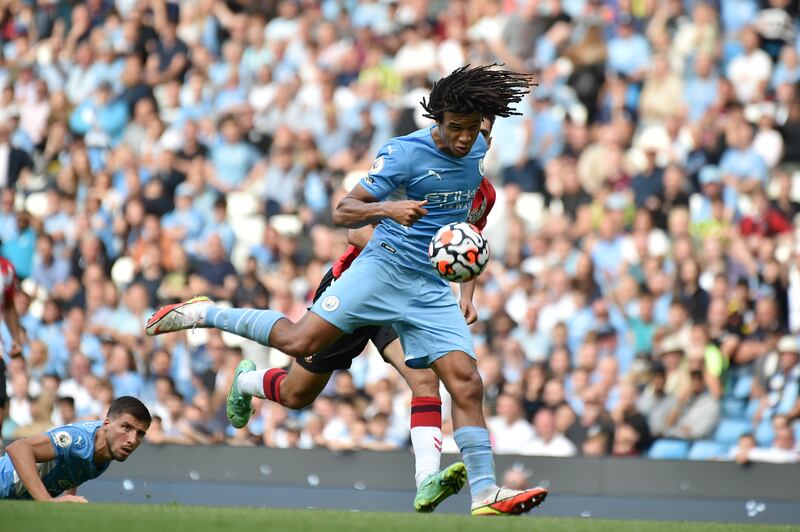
(375, 290)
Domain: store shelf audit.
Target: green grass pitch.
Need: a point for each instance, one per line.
(35, 517)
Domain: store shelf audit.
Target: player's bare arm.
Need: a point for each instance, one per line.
(360, 208)
(360, 237)
(25, 454)
(465, 301)
(11, 320)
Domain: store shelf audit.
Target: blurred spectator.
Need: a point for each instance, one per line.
(511, 434)
(547, 441)
(696, 414)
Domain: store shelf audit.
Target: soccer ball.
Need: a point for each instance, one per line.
(458, 252)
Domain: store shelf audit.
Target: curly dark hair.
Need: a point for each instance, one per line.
(484, 89)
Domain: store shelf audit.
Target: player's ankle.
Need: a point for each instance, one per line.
(485, 493)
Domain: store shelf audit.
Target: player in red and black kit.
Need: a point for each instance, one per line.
(8, 280)
(304, 381)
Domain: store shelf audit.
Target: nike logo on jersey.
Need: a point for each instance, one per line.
(436, 174)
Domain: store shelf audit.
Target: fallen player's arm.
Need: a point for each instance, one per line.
(360, 208)
(25, 454)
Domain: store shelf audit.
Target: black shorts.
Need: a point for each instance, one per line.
(3, 395)
(341, 353)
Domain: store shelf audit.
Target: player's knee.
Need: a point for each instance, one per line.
(424, 383)
(299, 347)
(469, 389)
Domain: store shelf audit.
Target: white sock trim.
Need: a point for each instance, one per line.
(252, 382)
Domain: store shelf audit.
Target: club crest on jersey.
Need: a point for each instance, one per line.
(481, 168)
(377, 166)
(330, 303)
(62, 439)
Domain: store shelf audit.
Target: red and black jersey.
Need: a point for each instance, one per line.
(7, 282)
(482, 205)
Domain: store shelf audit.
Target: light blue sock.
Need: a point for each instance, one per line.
(253, 324)
(476, 450)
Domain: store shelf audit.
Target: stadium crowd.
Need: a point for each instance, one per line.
(644, 297)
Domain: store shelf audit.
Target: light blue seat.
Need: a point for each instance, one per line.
(729, 430)
(733, 407)
(669, 450)
(742, 386)
(765, 433)
(708, 450)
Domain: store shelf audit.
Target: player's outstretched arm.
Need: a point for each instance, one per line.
(25, 454)
(360, 208)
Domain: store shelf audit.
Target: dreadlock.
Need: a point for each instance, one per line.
(482, 89)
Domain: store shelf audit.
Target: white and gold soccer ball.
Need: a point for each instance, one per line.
(458, 252)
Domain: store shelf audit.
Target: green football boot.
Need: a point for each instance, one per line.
(238, 405)
(440, 486)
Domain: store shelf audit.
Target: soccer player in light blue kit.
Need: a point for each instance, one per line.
(51, 466)
(417, 184)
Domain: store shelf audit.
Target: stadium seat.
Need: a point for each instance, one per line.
(669, 450)
(764, 433)
(708, 450)
(742, 386)
(729, 430)
(752, 406)
(733, 407)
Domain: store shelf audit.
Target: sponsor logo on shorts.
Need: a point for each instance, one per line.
(330, 303)
(62, 439)
(309, 359)
(481, 168)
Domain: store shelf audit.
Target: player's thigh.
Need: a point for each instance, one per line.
(423, 382)
(308, 335)
(301, 387)
(340, 354)
(433, 326)
(363, 295)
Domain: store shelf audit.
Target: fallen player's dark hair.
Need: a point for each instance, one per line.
(484, 89)
(129, 405)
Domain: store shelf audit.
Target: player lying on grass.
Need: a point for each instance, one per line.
(46, 466)
(417, 184)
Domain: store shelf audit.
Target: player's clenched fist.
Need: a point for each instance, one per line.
(406, 212)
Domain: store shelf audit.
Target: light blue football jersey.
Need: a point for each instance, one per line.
(73, 465)
(412, 167)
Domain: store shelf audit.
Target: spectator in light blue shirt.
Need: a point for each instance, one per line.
(701, 90)
(743, 169)
(218, 225)
(628, 52)
(232, 159)
(184, 224)
(787, 70)
(122, 372)
(48, 269)
(100, 118)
